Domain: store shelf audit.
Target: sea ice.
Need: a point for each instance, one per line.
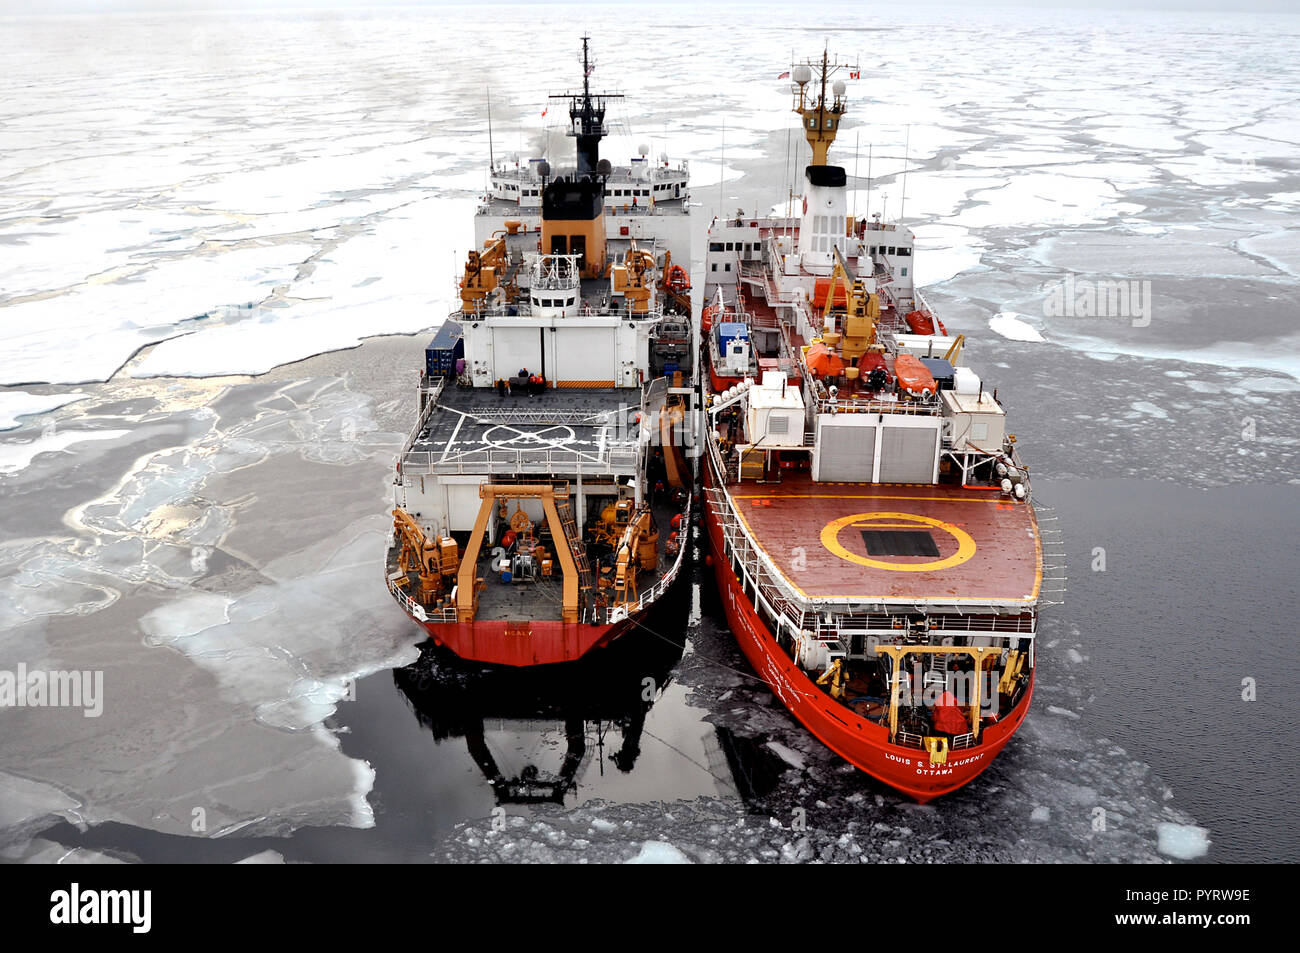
(788, 755)
(1013, 326)
(659, 852)
(16, 456)
(18, 403)
(1182, 841)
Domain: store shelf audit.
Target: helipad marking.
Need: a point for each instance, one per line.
(831, 540)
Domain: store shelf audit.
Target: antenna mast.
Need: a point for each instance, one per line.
(821, 116)
(491, 157)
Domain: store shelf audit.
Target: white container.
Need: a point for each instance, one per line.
(965, 381)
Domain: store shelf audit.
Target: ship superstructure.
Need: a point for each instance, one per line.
(869, 516)
(542, 500)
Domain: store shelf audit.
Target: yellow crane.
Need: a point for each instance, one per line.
(861, 309)
(639, 549)
(423, 556)
(482, 273)
(634, 278)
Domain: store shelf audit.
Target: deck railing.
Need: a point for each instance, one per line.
(605, 461)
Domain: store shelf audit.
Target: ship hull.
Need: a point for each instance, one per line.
(529, 642)
(862, 743)
(535, 642)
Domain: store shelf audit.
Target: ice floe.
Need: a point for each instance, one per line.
(17, 455)
(1014, 327)
(16, 403)
(1183, 841)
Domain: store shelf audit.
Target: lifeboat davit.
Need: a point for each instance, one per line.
(923, 322)
(913, 378)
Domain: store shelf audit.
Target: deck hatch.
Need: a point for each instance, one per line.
(894, 542)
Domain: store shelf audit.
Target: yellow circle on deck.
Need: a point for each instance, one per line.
(965, 544)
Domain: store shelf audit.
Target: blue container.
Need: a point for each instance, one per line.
(731, 331)
(446, 348)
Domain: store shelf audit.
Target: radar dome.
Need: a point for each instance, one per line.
(544, 168)
(643, 150)
(802, 74)
(839, 87)
(604, 167)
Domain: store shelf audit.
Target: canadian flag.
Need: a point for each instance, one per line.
(856, 74)
(545, 111)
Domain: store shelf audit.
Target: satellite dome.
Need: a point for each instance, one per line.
(604, 167)
(802, 74)
(643, 150)
(839, 87)
(543, 168)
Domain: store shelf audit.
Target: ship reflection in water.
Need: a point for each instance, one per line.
(570, 732)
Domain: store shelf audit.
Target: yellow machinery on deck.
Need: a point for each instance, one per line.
(637, 550)
(634, 279)
(484, 271)
(860, 310)
(419, 554)
(490, 493)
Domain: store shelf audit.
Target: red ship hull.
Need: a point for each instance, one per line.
(534, 642)
(720, 382)
(862, 743)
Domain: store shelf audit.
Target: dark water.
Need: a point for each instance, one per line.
(1198, 594)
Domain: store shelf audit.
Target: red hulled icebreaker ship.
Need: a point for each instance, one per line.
(868, 515)
(543, 498)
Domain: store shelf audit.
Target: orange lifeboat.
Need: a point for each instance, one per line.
(677, 279)
(707, 318)
(923, 322)
(871, 361)
(823, 362)
(913, 378)
(822, 292)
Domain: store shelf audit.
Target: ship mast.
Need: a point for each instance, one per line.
(821, 116)
(587, 117)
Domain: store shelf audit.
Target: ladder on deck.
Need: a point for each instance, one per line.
(573, 537)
